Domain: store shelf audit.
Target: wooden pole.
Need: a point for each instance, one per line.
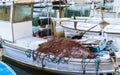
(75, 23)
(1, 52)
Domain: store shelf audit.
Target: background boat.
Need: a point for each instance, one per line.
(5, 69)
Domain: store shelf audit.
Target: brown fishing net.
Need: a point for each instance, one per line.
(66, 47)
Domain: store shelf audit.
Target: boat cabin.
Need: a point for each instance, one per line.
(15, 19)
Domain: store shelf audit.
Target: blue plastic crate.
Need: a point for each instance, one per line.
(99, 48)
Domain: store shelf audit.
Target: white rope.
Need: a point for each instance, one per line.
(115, 61)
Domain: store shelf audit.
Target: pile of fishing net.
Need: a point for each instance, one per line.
(66, 47)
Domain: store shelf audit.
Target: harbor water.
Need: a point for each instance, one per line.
(83, 10)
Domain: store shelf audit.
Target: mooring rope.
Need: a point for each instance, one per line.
(97, 62)
(115, 62)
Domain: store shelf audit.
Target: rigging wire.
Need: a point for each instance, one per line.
(84, 65)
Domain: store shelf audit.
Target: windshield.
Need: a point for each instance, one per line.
(5, 13)
(22, 12)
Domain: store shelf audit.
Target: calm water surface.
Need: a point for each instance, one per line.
(22, 70)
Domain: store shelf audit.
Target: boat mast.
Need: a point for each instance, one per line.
(60, 16)
(116, 7)
(104, 2)
(49, 27)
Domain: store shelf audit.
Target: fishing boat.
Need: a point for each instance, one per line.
(39, 5)
(42, 3)
(59, 55)
(71, 2)
(5, 69)
(96, 1)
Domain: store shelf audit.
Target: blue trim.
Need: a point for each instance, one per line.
(99, 48)
(97, 62)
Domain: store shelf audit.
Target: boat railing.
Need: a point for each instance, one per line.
(29, 53)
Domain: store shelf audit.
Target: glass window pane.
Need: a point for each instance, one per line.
(5, 13)
(22, 13)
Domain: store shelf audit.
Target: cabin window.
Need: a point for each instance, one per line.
(5, 13)
(22, 13)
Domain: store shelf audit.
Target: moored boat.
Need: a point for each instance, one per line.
(20, 46)
(5, 69)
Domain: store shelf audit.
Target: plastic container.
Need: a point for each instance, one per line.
(59, 32)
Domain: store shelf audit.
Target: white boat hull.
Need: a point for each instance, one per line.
(74, 66)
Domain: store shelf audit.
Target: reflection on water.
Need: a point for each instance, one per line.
(22, 70)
